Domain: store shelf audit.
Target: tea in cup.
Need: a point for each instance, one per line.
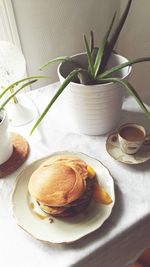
(131, 137)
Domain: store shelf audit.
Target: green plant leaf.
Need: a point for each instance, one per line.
(68, 79)
(102, 48)
(114, 37)
(84, 77)
(89, 56)
(123, 65)
(94, 53)
(131, 91)
(58, 59)
(12, 95)
(91, 41)
(20, 81)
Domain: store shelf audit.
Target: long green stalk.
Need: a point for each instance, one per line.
(58, 59)
(89, 56)
(20, 81)
(107, 73)
(68, 79)
(91, 41)
(131, 91)
(110, 46)
(14, 93)
(102, 48)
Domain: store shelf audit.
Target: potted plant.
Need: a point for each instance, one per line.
(94, 80)
(6, 147)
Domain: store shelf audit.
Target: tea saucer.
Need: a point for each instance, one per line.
(113, 148)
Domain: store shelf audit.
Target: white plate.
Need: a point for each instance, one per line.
(61, 230)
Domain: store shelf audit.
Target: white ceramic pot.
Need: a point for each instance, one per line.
(6, 147)
(94, 109)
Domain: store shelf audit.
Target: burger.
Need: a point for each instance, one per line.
(62, 185)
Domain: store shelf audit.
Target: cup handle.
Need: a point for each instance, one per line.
(114, 138)
(147, 140)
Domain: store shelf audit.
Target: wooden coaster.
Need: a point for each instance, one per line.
(19, 155)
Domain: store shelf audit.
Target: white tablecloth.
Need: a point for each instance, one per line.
(121, 238)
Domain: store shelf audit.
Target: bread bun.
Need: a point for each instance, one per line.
(61, 186)
(78, 165)
(74, 207)
(56, 184)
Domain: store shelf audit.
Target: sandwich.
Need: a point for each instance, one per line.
(62, 185)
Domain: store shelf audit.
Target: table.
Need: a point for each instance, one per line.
(121, 238)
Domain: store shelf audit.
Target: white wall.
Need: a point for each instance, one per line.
(135, 42)
(50, 28)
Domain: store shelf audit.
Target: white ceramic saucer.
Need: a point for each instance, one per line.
(56, 230)
(113, 148)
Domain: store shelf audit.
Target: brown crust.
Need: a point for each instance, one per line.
(19, 155)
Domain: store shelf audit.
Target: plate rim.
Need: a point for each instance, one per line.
(44, 158)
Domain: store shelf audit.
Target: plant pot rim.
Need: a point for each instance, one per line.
(108, 83)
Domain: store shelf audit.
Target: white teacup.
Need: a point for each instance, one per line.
(131, 137)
